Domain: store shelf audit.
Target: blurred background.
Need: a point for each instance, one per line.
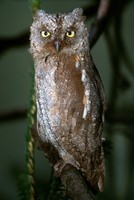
(113, 55)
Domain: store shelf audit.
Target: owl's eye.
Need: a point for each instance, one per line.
(70, 34)
(45, 33)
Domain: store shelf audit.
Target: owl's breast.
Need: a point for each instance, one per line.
(69, 91)
(61, 93)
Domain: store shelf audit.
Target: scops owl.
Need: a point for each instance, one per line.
(70, 98)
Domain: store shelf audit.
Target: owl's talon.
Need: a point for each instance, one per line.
(58, 167)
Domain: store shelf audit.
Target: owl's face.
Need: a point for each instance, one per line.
(55, 33)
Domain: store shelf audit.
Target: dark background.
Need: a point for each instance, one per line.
(15, 90)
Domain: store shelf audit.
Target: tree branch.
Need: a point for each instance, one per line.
(13, 115)
(100, 22)
(7, 43)
(116, 118)
(75, 184)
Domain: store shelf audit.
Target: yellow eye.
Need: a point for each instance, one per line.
(70, 34)
(45, 33)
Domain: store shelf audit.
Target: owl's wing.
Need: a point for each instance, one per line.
(93, 164)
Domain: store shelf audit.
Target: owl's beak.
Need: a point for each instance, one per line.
(57, 45)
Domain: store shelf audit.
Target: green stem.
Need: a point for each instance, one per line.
(30, 182)
(35, 5)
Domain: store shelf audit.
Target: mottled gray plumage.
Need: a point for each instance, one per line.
(69, 94)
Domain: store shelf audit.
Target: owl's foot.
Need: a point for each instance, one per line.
(66, 159)
(58, 167)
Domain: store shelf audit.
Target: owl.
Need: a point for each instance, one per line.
(70, 98)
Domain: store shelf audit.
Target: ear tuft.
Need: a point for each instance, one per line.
(39, 14)
(78, 12)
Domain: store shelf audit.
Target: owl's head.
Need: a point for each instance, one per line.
(55, 33)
